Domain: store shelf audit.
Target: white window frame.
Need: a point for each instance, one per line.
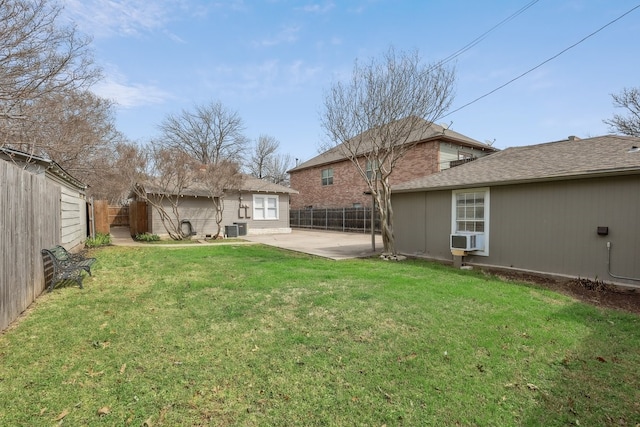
(262, 210)
(372, 166)
(328, 179)
(487, 205)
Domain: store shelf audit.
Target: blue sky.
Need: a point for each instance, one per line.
(272, 60)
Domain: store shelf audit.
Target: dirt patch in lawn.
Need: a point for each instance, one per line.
(593, 292)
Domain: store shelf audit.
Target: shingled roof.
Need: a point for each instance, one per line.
(249, 184)
(426, 132)
(566, 159)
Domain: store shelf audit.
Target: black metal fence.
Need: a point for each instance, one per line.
(340, 219)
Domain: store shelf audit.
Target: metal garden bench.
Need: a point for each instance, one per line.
(67, 257)
(61, 265)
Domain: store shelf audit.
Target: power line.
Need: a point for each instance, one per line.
(542, 63)
(485, 34)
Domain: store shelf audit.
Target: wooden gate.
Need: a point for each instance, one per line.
(138, 223)
(133, 216)
(118, 216)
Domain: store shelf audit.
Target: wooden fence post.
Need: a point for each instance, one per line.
(101, 212)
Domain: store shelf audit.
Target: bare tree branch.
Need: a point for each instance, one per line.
(210, 134)
(266, 163)
(38, 57)
(277, 168)
(629, 98)
(266, 146)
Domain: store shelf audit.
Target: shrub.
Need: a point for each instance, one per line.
(100, 239)
(147, 237)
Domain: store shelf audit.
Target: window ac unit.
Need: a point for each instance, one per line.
(468, 241)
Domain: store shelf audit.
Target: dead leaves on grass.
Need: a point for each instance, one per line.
(62, 415)
(530, 386)
(105, 410)
(407, 357)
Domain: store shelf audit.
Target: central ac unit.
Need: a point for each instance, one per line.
(468, 241)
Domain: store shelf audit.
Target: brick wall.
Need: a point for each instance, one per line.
(348, 186)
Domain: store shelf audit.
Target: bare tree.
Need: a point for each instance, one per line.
(217, 179)
(629, 98)
(374, 118)
(165, 177)
(209, 134)
(76, 129)
(126, 166)
(267, 163)
(38, 57)
(277, 168)
(266, 147)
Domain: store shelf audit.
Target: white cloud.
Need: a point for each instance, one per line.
(107, 18)
(286, 35)
(318, 8)
(268, 78)
(129, 95)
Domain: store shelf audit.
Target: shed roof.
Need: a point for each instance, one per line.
(567, 159)
(425, 132)
(261, 186)
(249, 184)
(44, 165)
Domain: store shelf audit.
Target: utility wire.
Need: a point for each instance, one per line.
(485, 34)
(542, 63)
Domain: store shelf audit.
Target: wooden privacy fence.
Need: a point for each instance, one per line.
(340, 219)
(133, 216)
(107, 216)
(29, 221)
(118, 216)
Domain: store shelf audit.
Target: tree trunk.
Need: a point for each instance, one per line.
(218, 205)
(383, 199)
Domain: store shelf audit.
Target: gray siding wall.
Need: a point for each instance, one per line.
(544, 227)
(73, 214)
(199, 211)
(422, 223)
(258, 226)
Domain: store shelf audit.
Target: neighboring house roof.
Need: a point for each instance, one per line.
(566, 159)
(249, 184)
(38, 164)
(426, 132)
(258, 185)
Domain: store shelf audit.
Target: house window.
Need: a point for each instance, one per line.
(373, 170)
(470, 214)
(265, 207)
(327, 176)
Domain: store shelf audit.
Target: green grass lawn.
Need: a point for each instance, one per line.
(256, 336)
